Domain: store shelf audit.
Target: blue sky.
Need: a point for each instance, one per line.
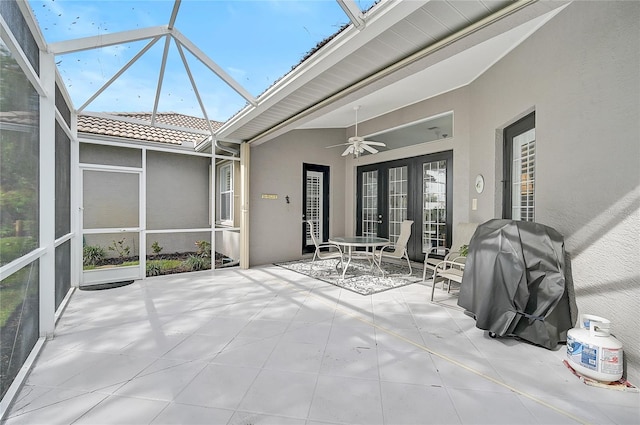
(255, 41)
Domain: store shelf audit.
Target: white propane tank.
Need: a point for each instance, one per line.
(592, 351)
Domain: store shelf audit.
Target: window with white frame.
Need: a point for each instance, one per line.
(225, 185)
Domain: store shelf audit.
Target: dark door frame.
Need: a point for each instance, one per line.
(414, 198)
(325, 170)
(521, 126)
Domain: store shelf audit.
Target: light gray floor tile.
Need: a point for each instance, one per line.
(399, 339)
(180, 414)
(469, 373)
(296, 357)
(407, 404)
(244, 418)
(122, 410)
(485, 407)
(220, 386)
(280, 393)
(52, 406)
(413, 367)
(350, 361)
(347, 401)
(163, 380)
(249, 352)
(308, 332)
(198, 347)
(264, 329)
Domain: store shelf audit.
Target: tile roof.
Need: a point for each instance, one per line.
(172, 118)
(19, 118)
(137, 126)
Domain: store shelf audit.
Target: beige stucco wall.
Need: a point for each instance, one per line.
(276, 168)
(579, 73)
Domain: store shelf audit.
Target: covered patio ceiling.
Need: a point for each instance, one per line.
(393, 54)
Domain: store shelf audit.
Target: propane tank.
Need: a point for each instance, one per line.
(592, 351)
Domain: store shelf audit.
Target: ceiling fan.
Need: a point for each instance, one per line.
(356, 144)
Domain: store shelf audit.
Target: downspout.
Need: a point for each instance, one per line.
(213, 141)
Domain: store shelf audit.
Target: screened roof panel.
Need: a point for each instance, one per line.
(255, 42)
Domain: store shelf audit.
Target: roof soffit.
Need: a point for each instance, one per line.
(315, 108)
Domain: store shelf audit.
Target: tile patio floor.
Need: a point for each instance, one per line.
(270, 346)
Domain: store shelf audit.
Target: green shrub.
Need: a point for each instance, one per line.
(153, 269)
(196, 262)
(204, 249)
(120, 248)
(155, 246)
(92, 255)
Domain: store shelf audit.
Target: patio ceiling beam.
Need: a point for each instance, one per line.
(174, 14)
(104, 40)
(119, 73)
(353, 12)
(202, 57)
(163, 66)
(197, 93)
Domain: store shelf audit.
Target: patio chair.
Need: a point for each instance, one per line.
(461, 236)
(448, 271)
(330, 252)
(398, 250)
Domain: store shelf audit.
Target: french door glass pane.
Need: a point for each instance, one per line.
(523, 176)
(434, 178)
(397, 200)
(314, 204)
(370, 203)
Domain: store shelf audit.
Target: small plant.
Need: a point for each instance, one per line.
(204, 249)
(155, 246)
(120, 248)
(195, 263)
(464, 250)
(92, 255)
(154, 269)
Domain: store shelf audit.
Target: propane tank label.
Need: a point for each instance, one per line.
(582, 354)
(611, 361)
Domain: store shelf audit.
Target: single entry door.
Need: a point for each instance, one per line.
(111, 224)
(315, 204)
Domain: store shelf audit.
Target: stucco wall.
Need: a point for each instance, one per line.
(177, 191)
(276, 168)
(580, 72)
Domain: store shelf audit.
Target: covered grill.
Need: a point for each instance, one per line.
(514, 282)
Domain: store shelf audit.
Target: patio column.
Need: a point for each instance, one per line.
(245, 157)
(47, 193)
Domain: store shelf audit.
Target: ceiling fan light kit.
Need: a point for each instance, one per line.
(357, 145)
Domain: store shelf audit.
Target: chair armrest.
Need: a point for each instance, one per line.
(448, 264)
(435, 250)
(330, 245)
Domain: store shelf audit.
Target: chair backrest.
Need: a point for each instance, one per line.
(462, 234)
(405, 234)
(312, 233)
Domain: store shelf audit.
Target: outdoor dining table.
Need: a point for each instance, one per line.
(366, 242)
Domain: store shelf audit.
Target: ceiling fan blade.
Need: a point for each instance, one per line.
(372, 143)
(369, 148)
(335, 146)
(348, 150)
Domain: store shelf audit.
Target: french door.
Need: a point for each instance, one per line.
(417, 189)
(315, 204)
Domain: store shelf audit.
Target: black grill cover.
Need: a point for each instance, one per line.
(514, 282)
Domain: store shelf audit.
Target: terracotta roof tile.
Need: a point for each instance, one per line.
(136, 127)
